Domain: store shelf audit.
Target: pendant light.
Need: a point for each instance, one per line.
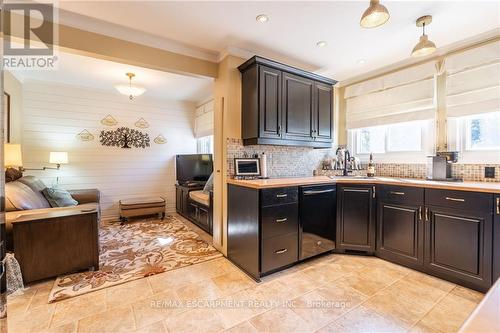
(424, 46)
(375, 15)
(130, 90)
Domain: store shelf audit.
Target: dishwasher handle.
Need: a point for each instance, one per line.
(313, 192)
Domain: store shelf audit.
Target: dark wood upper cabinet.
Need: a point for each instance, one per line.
(283, 105)
(322, 115)
(356, 218)
(297, 108)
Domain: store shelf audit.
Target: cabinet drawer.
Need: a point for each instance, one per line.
(401, 194)
(279, 251)
(463, 200)
(279, 220)
(278, 196)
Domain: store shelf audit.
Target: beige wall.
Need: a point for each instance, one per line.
(13, 87)
(227, 103)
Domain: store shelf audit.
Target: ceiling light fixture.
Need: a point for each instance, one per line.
(130, 90)
(424, 46)
(321, 43)
(361, 62)
(375, 15)
(262, 18)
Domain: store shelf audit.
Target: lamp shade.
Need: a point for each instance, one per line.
(424, 47)
(12, 155)
(375, 15)
(58, 157)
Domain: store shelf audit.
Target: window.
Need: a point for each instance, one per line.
(394, 138)
(482, 132)
(205, 144)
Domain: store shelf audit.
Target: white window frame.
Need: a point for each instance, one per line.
(210, 139)
(457, 141)
(427, 147)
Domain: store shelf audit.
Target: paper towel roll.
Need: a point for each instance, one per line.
(263, 165)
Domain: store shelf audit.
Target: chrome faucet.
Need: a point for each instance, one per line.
(347, 159)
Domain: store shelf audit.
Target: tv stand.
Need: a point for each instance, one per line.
(193, 211)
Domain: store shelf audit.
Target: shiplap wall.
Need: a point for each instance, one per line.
(54, 114)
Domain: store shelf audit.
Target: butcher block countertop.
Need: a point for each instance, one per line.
(486, 187)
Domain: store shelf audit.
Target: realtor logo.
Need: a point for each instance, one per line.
(30, 36)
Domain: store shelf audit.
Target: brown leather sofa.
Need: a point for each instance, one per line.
(51, 241)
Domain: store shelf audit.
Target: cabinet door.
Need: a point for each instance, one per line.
(458, 246)
(355, 218)
(400, 234)
(323, 112)
(297, 108)
(269, 103)
(496, 240)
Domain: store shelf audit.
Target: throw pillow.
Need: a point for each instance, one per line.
(209, 185)
(58, 197)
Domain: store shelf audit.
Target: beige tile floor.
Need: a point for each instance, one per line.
(334, 293)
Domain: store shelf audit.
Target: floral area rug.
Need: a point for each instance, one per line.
(136, 250)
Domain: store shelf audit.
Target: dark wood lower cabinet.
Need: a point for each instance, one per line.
(356, 218)
(496, 239)
(459, 246)
(400, 234)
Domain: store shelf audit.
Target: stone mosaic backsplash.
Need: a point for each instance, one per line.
(283, 161)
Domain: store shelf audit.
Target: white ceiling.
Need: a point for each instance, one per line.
(102, 74)
(207, 29)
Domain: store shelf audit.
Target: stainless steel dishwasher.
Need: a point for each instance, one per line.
(317, 219)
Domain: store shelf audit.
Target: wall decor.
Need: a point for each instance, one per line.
(141, 123)
(160, 140)
(109, 120)
(85, 136)
(124, 137)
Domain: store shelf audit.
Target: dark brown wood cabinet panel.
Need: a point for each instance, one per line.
(297, 107)
(269, 102)
(323, 112)
(355, 218)
(279, 220)
(459, 245)
(243, 242)
(250, 104)
(401, 194)
(279, 252)
(400, 234)
(462, 200)
(496, 239)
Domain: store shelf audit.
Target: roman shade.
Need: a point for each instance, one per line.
(473, 81)
(401, 96)
(204, 121)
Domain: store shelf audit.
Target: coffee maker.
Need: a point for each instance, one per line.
(440, 166)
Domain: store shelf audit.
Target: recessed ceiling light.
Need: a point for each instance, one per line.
(262, 18)
(321, 43)
(361, 62)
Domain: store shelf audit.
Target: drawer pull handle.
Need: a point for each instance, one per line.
(397, 193)
(426, 214)
(498, 205)
(281, 195)
(420, 213)
(282, 220)
(455, 199)
(281, 251)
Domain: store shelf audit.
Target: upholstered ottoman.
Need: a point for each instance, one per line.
(142, 206)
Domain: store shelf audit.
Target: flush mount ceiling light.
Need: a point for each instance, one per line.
(375, 15)
(128, 89)
(321, 43)
(424, 46)
(361, 62)
(262, 18)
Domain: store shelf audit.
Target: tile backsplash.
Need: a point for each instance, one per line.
(284, 161)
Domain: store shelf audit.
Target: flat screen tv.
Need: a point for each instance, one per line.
(193, 168)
